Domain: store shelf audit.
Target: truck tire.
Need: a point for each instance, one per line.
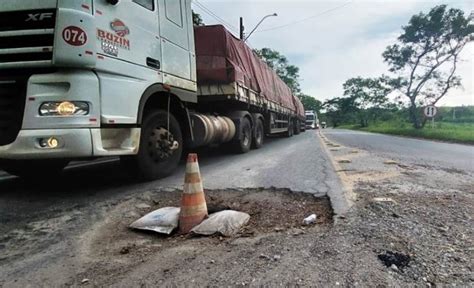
(158, 156)
(34, 169)
(289, 133)
(297, 127)
(244, 143)
(259, 136)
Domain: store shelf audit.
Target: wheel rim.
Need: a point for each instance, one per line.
(246, 141)
(259, 135)
(161, 144)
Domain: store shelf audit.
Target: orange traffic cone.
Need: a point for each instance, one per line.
(193, 202)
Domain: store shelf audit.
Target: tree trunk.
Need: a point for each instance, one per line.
(415, 119)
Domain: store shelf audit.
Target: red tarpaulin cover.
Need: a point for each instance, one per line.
(299, 107)
(222, 59)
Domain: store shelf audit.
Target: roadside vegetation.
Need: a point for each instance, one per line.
(444, 131)
(422, 70)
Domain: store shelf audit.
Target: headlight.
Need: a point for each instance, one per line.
(64, 108)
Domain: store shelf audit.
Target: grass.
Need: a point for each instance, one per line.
(450, 132)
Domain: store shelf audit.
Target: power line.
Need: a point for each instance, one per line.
(306, 19)
(212, 14)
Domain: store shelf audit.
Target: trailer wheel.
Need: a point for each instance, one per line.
(259, 135)
(289, 133)
(160, 150)
(297, 127)
(34, 169)
(243, 144)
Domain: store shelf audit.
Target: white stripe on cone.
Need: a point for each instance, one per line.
(191, 188)
(192, 167)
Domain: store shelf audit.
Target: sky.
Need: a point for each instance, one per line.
(340, 40)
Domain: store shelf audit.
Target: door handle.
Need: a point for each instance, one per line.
(153, 63)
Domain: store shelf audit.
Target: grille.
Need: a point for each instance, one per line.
(12, 104)
(27, 38)
(13, 85)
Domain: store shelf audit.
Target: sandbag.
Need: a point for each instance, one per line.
(163, 220)
(226, 223)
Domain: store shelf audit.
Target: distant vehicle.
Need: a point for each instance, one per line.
(323, 125)
(312, 121)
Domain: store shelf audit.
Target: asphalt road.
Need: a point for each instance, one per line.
(38, 221)
(297, 163)
(408, 150)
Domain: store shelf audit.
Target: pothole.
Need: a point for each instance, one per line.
(270, 210)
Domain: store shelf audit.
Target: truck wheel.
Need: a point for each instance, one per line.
(245, 138)
(160, 150)
(297, 127)
(259, 135)
(34, 169)
(289, 133)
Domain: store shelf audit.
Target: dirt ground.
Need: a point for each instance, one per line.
(114, 251)
(401, 232)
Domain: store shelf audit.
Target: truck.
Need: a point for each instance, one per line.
(133, 79)
(312, 121)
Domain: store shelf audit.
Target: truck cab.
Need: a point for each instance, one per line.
(85, 79)
(312, 121)
(77, 78)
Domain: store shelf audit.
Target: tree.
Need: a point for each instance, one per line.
(310, 103)
(279, 63)
(197, 20)
(369, 96)
(340, 110)
(426, 56)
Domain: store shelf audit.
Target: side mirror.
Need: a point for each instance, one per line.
(113, 2)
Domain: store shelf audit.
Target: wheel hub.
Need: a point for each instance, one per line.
(162, 144)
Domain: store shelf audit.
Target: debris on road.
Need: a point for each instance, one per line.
(397, 259)
(297, 232)
(391, 162)
(163, 220)
(311, 219)
(383, 199)
(142, 206)
(344, 161)
(227, 223)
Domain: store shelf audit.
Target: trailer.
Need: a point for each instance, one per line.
(97, 78)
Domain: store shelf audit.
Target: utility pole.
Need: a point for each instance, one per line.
(242, 29)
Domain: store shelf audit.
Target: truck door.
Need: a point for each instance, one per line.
(174, 29)
(129, 31)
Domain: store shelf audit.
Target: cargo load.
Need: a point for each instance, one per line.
(221, 58)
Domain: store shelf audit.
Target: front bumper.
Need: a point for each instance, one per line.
(73, 143)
